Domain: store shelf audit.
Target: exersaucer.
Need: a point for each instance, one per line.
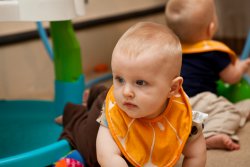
(28, 132)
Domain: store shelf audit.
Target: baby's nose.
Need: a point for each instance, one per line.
(127, 91)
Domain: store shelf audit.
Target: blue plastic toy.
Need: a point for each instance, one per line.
(28, 132)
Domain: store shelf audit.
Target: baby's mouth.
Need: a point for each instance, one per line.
(129, 105)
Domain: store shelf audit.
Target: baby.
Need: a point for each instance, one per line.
(145, 118)
(205, 61)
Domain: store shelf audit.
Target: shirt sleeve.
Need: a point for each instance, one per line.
(197, 124)
(102, 118)
(221, 60)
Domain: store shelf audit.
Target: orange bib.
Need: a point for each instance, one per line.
(206, 46)
(151, 142)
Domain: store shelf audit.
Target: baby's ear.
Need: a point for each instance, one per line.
(211, 29)
(175, 86)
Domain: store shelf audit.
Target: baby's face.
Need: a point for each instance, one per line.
(141, 87)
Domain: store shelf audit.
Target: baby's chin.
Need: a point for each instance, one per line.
(132, 115)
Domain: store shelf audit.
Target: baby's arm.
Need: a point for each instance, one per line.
(108, 153)
(195, 153)
(233, 73)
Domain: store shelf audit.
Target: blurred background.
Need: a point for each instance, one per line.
(26, 71)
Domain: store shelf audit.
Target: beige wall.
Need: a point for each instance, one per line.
(27, 72)
(93, 10)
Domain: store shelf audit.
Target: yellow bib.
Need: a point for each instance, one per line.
(206, 46)
(151, 142)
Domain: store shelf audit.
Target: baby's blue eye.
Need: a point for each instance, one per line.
(141, 82)
(119, 79)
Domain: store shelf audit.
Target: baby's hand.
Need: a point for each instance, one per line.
(243, 65)
(59, 120)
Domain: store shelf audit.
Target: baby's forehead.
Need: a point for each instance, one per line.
(145, 60)
(145, 65)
